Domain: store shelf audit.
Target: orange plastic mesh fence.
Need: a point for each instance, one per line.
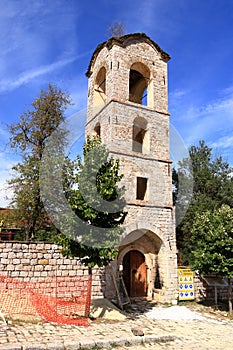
(63, 300)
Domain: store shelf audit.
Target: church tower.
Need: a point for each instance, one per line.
(128, 109)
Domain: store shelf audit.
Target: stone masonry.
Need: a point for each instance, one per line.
(36, 262)
(137, 134)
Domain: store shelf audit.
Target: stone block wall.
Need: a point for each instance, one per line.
(203, 292)
(44, 262)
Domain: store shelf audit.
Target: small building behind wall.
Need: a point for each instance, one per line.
(128, 109)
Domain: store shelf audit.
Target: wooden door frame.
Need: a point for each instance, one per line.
(128, 277)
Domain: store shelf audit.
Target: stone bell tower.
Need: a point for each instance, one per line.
(128, 109)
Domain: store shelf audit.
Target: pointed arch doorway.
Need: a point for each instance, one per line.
(135, 273)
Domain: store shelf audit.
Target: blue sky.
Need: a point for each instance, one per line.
(44, 41)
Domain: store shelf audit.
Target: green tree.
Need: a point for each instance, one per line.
(29, 136)
(212, 186)
(211, 175)
(211, 244)
(98, 202)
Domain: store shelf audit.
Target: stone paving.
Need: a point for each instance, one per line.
(206, 334)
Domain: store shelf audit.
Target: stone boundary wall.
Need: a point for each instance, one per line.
(40, 261)
(203, 292)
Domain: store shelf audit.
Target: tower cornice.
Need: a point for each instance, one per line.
(123, 41)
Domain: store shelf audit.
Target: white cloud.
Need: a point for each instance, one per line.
(5, 191)
(223, 142)
(147, 13)
(212, 122)
(5, 194)
(4, 135)
(177, 94)
(33, 34)
(78, 93)
(203, 121)
(145, 16)
(176, 99)
(25, 77)
(7, 161)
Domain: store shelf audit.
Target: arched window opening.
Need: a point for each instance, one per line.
(97, 129)
(139, 79)
(100, 89)
(140, 136)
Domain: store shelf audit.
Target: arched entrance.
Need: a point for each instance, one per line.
(135, 273)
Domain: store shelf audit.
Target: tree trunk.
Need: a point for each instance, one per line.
(230, 295)
(88, 302)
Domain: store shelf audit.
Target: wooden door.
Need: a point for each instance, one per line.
(135, 274)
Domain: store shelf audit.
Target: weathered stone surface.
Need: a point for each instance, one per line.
(43, 262)
(38, 268)
(120, 117)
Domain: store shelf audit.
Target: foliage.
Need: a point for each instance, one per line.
(8, 219)
(212, 182)
(212, 244)
(211, 175)
(29, 136)
(47, 234)
(88, 255)
(98, 202)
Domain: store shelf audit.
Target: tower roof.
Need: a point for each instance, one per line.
(123, 41)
